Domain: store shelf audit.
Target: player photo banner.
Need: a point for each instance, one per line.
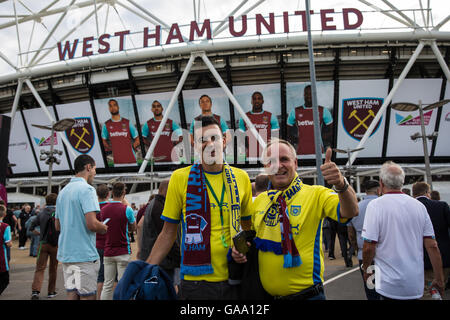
(358, 114)
(81, 136)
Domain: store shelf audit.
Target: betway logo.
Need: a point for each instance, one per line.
(305, 123)
(119, 134)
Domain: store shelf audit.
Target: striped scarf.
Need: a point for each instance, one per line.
(279, 241)
(196, 243)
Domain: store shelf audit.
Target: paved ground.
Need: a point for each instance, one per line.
(22, 266)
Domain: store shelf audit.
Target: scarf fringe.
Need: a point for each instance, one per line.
(268, 246)
(290, 261)
(196, 270)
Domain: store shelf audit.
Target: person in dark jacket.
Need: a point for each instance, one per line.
(440, 218)
(150, 227)
(24, 215)
(48, 248)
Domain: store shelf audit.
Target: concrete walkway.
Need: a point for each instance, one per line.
(341, 283)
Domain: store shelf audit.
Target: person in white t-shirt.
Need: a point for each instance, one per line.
(396, 229)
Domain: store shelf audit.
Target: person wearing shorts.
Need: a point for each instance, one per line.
(76, 209)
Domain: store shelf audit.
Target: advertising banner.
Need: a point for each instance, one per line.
(359, 102)
(404, 124)
(262, 105)
(41, 138)
(119, 135)
(442, 143)
(300, 116)
(83, 136)
(151, 109)
(20, 151)
(197, 100)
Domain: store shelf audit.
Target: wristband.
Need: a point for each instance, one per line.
(346, 184)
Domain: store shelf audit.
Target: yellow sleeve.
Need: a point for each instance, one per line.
(330, 204)
(173, 206)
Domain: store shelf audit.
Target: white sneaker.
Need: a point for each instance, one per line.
(22, 248)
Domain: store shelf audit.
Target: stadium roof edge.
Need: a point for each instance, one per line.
(212, 46)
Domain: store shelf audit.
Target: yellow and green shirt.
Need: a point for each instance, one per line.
(175, 211)
(307, 209)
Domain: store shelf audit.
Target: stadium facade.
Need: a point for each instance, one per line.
(360, 71)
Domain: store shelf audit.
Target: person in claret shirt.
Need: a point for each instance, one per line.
(170, 136)
(103, 197)
(117, 134)
(206, 104)
(265, 122)
(117, 251)
(301, 126)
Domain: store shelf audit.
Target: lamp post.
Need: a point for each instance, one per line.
(349, 169)
(408, 106)
(49, 156)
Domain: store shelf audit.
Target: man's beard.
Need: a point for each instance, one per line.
(115, 113)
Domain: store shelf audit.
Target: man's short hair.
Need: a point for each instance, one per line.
(2, 211)
(50, 199)
(156, 101)
(102, 191)
(207, 121)
(118, 189)
(406, 191)
(163, 186)
(81, 161)
(111, 100)
(371, 185)
(435, 195)
(261, 182)
(420, 189)
(204, 95)
(279, 141)
(257, 92)
(392, 175)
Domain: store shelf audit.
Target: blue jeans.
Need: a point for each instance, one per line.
(371, 294)
(320, 296)
(34, 245)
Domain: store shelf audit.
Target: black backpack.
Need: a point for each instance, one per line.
(50, 234)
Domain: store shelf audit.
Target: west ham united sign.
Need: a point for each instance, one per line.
(81, 135)
(358, 114)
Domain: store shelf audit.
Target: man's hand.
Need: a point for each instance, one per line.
(103, 229)
(237, 256)
(331, 172)
(439, 285)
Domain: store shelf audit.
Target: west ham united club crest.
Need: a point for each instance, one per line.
(81, 135)
(358, 114)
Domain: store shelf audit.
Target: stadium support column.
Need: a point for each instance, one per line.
(233, 99)
(283, 97)
(388, 100)
(230, 106)
(16, 100)
(312, 72)
(440, 59)
(169, 108)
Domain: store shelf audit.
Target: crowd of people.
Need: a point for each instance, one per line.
(191, 229)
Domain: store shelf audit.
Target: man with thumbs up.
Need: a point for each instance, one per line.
(288, 223)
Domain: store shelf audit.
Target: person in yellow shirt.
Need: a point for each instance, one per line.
(212, 200)
(288, 223)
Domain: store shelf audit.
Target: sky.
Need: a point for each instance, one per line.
(33, 34)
